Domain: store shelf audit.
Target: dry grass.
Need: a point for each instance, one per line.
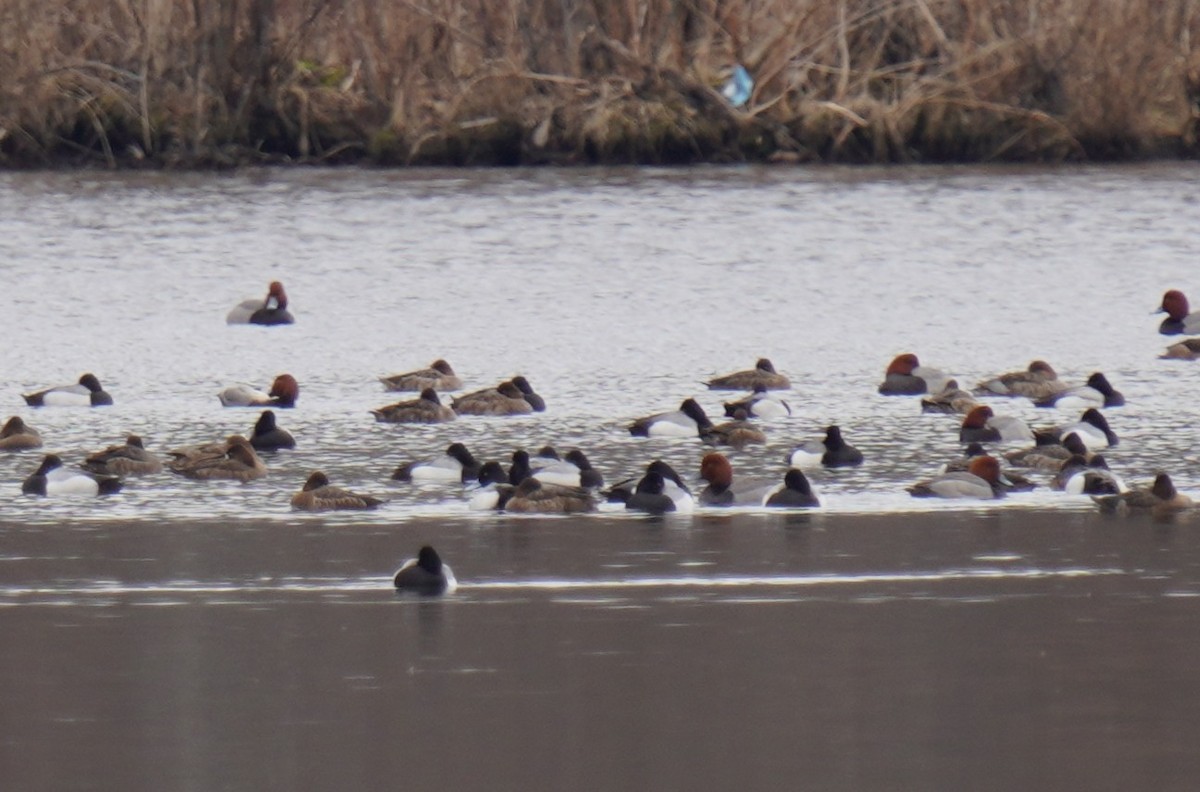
(225, 82)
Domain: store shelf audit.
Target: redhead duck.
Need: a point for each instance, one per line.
(1178, 321)
(832, 452)
(951, 399)
(1049, 456)
(1038, 381)
(427, 408)
(1080, 476)
(1016, 482)
(267, 436)
(759, 404)
(269, 311)
(905, 376)
(796, 493)
(425, 574)
(132, 458)
(319, 495)
(52, 479)
(737, 433)
(1187, 349)
(438, 376)
(983, 480)
(457, 465)
(234, 460)
(763, 374)
(1096, 393)
(1161, 498)
(532, 496)
(284, 392)
(721, 490)
(18, 436)
(984, 426)
(1092, 428)
(537, 403)
(504, 399)
(85, 393)
(575, 470)
(687, 421)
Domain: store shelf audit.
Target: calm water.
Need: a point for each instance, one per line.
(201, 636)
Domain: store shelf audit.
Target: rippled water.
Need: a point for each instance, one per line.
(196, 635)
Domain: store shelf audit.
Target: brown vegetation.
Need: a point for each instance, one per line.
(225, 82)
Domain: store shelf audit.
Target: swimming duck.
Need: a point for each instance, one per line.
(673, 485)
(1178, 321)
(457, 465)
(1161, 498)
(504, 399)
(1092, 428)
(438, 376)
(532, 496)
(649, 496)
(1038, 381)
(1049, 456)
(425, 574)
(85, 393)
(905, 376)
(984, 426)
(716, 469)
(51, 478)
(427, 408)
(234, 460)
(796, 493)
(759, 404)
(831, 452)
(493, 489)
(132, 458)
(284, 392)
(1096, 393)
(984, 480)
(1080, 476)
(737, 433)
(1187, 349)
(269, 311)
(687, 421)
(763, 374)
(1016, 481)
(268, 436)
(950, 399)
(18, 436)
(574, 471)
(536, 402)
(319, 495)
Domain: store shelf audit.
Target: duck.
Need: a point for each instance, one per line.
(16, 435)
(130, 458)
(504, 399)
(284, 392)
(532, 496)
(575, 470)
(832, 452)
(1092, 428)
(687, 421)
(271, 310)
(1178, 321)
(1016, 481)
(427, 408)
(319, 495)
(492, 490)
(1161, 498)
(1187, 349)
(457, 464)
(796, 492)
(268, 436)
(763, 373)
(716, 469)
(1098, 392)
(439, 376)
(1080, 476)
(536, 402)
(984, 426)
(983, 480)
(951, 399)
(52, 479)
(1049, 456)
(87, 392)
(759, 404)
(521, 468)
(233, 460)
(737, 433)
(425, 574)
(673, 486)
(905, 376)
(1038, 381)
(650, 497)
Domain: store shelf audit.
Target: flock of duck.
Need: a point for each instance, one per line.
(545, 482)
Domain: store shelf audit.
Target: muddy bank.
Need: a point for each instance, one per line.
(183, 84)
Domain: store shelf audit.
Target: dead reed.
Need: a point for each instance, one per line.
(226, 82)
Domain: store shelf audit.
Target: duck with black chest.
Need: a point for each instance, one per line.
(905, 376)
(267, 435)
(426, 574)
(832, 452)
(272, 310)
(87, 392)
(759, 404)
(982, 425)
(1098, 392)
(52, 479)
(796, 493)
(716, 469)
(688, 421)
(983, 480)
(456, 465)
(1179, 321)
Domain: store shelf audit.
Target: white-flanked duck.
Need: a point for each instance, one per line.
(457, 465)
(982, 425)
(284, 392)
(833, 451)
(272, 310)
(86, 393)
(687, 421)
(425, 574)
(1092, 428)
(759, 404)
(1098, 392)
(52, 479)
(905, 376)
(796, 493)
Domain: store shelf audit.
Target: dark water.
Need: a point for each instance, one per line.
(199, 636)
